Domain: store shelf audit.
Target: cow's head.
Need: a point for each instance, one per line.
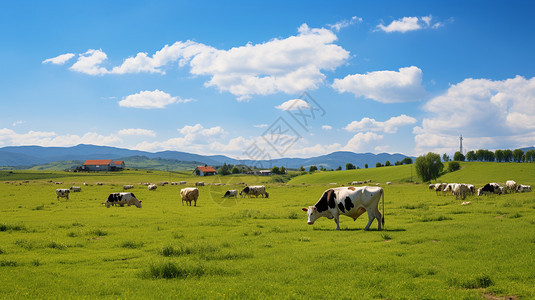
(245, 190)
(312, 213)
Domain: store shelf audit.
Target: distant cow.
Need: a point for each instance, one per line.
(355, 183)
(75, 189)
(62, 193)
(121, 199)
(439, 187)
(231, 193)
(189, 194)
(152, 187)
(388, 183)
(510, 186)
(348, 201)
(127, 187)
(461, 191)
(523, 188)
(200, 183)
(490, 188)
(254, 190)
(182, 182)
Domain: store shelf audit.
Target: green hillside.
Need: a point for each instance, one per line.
(477, 173)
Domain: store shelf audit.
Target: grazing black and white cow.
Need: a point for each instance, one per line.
(121, 199)
(62, 193)
(348, 201)
(521, 188)
(231, 193)
(490, 188)
(254, 190)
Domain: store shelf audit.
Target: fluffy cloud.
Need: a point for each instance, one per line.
(406, 24)
(89, 63)
(389, 126)
(326, 127)
(295, 104)
(288, 65)
(60, 59)
(9, 137)
(150, 99)
(384, 86)
(363, 142)
(489, 114)
(345, 23)
(137, 132)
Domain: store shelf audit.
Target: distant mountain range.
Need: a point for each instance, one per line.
(28, 156)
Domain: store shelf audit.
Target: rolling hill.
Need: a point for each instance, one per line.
(31, 156)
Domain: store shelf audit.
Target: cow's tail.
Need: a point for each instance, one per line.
(383, 218)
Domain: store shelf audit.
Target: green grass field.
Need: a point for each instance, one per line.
(432, 248)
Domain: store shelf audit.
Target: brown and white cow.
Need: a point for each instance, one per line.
(348, 201)
(121, 199)
(254, 190)
(189, 194)
(62, 193)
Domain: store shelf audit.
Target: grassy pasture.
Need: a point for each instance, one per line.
(262, 248)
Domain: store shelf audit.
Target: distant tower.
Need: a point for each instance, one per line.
(461, 144)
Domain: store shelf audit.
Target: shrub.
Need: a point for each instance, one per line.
(453, 166)
(428, 166)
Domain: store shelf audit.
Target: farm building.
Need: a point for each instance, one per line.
(204, 171)
(264, 172)
(103, 165)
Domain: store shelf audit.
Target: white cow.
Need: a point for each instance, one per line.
(348, 201)
(461, 190)
(63, 193)
(121, 199)
(75, 189)
(510, 186)
(189, 194)
(152, 187)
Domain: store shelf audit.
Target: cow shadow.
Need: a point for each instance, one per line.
(361, 229)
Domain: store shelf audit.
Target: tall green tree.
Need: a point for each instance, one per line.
(224, 170)
(365, 166)
(499, 155)
(235, 170)
(387, 163)
(378, 165)
(339, 168)
(350, 166)
(313, 168)
(471, 156)
(428, 167)
(507, 155)
(517, 155)
(458, 156)
(445, 157)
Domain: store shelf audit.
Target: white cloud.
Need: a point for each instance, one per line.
(295, 104)
(326, 127)
(489, 114)
(60, 59)
(9, 137)
(345, 23)
(288, 65)
(261, 126)
(20, 122)
(406, 24)
(363, 142)
(384, 86)
(150, 99)
(389, 126)
(137, 132)
(89, 63)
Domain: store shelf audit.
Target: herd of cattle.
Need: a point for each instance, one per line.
(349, 201)
(189, 194)
(461, 190)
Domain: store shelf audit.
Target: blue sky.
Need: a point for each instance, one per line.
(272, 79)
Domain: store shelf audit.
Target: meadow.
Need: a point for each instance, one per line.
(432, 248)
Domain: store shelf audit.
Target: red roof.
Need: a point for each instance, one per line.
(94, 162)
(118, 162)
(206, 169)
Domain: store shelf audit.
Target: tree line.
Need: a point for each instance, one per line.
(517, 155)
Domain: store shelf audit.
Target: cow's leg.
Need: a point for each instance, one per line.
(195, 203)
(379, 218)
(371, 216)
(337, 223)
